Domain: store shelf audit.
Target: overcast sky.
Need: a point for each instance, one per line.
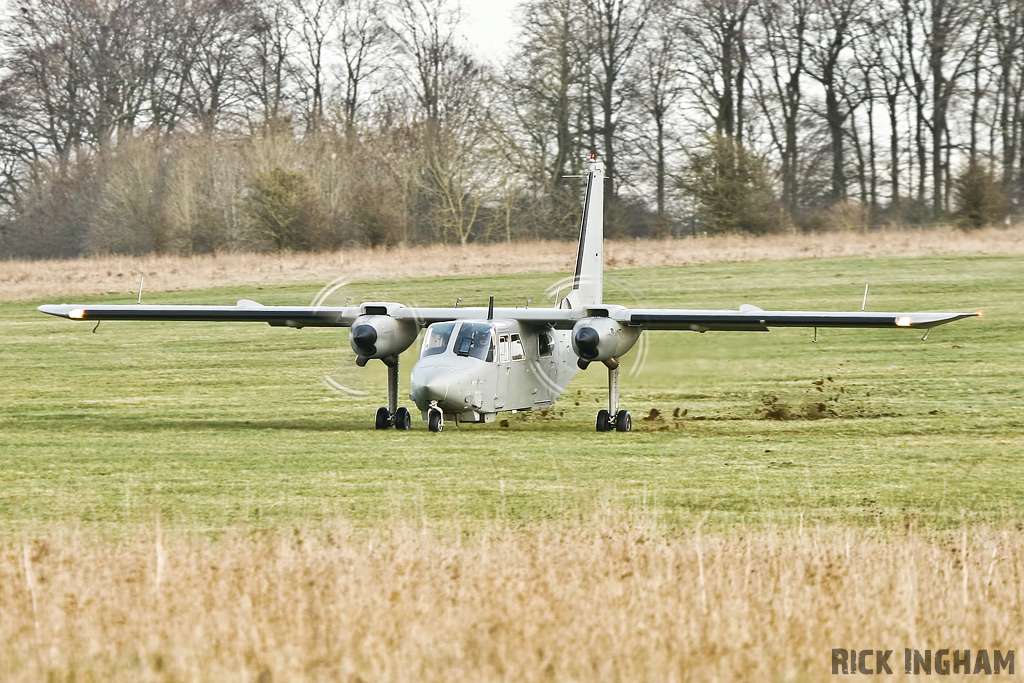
(489, 26)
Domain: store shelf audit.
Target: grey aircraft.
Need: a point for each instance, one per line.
(477, 362)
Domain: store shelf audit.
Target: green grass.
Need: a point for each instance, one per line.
(218, 425)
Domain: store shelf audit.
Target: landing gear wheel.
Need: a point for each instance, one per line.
(604, 421)
(383, 419)
(403, 420)
(623, 421)
(435, 421)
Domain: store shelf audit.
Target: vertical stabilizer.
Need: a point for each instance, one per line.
(588, 280)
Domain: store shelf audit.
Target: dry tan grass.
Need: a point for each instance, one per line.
(24, 280)
(601, 602)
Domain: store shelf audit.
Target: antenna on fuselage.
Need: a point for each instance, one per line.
(864, 304)
(490, 309)
(458, 301)
(141, 282)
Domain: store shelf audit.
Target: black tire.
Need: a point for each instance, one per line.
(623, 421)
(604, 421)
(383, 419)
(435, 421)
(403, 420)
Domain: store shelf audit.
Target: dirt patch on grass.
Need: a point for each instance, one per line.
(822, 399)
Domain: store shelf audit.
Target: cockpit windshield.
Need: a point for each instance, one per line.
(475, 340)
(436, 339)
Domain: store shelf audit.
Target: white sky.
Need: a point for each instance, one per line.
(488, 26)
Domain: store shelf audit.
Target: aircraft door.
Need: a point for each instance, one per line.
(547, 367)
(504, 370)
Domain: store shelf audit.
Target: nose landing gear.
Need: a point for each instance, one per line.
(435, 417)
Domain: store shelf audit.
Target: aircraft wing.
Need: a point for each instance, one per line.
(304, 316)
(753, 319)
(243, 311)
(747, 318)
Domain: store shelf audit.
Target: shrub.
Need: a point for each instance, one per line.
(733, 190)
(283, 209)
(980, 199)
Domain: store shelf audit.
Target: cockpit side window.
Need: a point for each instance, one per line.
(518, 353)
(436, 339)
(475, 340)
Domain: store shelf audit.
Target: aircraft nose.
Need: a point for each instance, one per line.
(430, 384)
(456, 386)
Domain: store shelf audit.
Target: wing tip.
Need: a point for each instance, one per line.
(55, 309)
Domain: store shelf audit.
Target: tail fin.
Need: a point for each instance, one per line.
(588, 281)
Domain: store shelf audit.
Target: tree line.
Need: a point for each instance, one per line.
(189, 126)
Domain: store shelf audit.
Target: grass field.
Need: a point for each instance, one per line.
(212, 462)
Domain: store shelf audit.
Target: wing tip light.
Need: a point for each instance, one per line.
(63, 311)
(926, 320)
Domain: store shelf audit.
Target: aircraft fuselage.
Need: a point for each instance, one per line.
(472, 369)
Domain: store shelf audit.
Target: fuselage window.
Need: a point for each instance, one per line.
(475, 340)
(544, 344)
(436, 339)
(517, 348)
(503, 354)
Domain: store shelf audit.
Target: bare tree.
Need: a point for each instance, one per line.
(537, 112)
(75, 81)
(268, 71)
(949, 60)
(317, 22)
(614, 30)
(1007, 30)
(655, 87)
(887, 52)
(426, 33)
(779, 89)
(364, 44)
(715, 33)
(211, 58)
(834, 30)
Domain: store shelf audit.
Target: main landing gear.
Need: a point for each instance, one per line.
(613, 418)
(392, 415)
(621, 422)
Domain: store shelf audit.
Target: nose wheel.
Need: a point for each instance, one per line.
(435, 418)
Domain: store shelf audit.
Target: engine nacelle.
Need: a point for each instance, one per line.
(599, 339)
(381, 336)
